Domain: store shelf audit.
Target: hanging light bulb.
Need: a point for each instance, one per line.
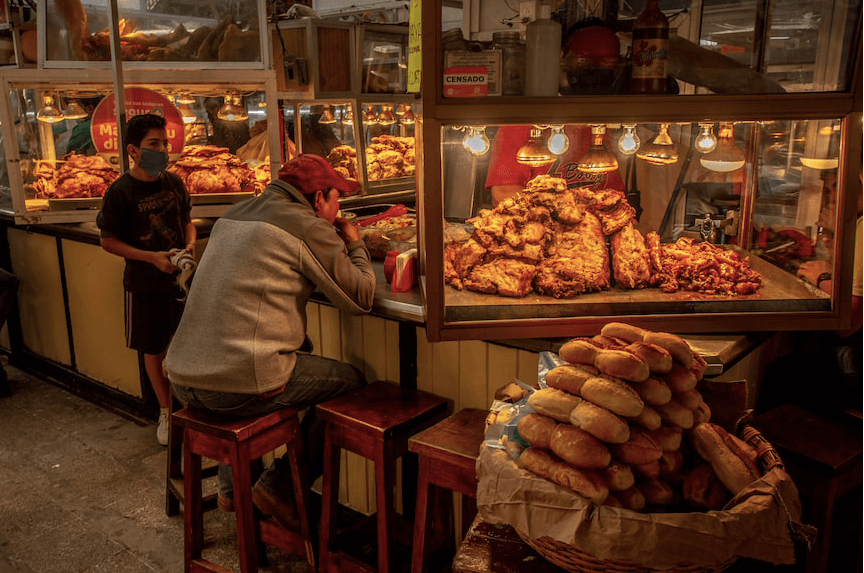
(386, 117)
(475, 140)
(597, 159)
(185, 97)
(830, 162)
(231, 110)
(706, 141)
(726, 156)
(558, 142)
(327, 117)
(534, 152)
(662, 150)
(348, 116)
(628, 143)
(401, 109)
(74, 111)
(407, 117)
(187, 113)
(49, 113)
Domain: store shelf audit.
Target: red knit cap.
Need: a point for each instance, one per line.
(310, 173)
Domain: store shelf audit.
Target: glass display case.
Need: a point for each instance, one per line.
(384, 56)
(701, 209)
(152, 33)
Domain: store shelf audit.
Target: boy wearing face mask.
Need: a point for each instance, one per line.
(145, 213)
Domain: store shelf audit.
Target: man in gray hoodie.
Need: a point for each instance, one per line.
(239, 348)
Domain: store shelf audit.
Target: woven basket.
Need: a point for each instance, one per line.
(571, 558)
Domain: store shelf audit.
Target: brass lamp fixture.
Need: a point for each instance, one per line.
(402, 109)
(727, 156)
(348, 116)
(629, 142)
(386, 117)
(49, 113)
(406, 118)
(74, 111)
(327, 117)
(706, 141)
(831, 161)
(232, 110)
(535, 152)
(185, 97)
(661, 151)
(597, 159)
(369, 117)
(187, 113)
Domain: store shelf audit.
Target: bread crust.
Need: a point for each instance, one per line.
(600, 423)
(536, 429)
(677, 346)
(640, 449)
(570, 377)
(623, 331)
(732, 463)
(653, 391)
(579, 351)
(621, 364)
(674, 414)
(548, 466)
(579, 448)
(554, 403)
(655, 357)
(615, 395)
(648, 418)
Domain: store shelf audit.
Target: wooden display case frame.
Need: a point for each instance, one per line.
(439, 112)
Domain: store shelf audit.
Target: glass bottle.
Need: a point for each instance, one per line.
(542, 54)
(512, 61)
(650, 50)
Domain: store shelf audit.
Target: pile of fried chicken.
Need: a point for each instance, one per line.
(551, 240)
(74, 177)
(213, 169)
(388, 156)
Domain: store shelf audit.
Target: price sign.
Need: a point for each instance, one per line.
(103, 127)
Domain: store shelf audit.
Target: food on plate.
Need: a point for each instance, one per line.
(213, 169)
(75, 177)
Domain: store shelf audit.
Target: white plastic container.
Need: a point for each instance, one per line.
(542, 54)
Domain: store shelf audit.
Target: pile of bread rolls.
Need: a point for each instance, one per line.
(622, 424)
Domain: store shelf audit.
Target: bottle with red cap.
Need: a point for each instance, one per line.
(650, 50)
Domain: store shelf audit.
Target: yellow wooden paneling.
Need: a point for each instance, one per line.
(40, 296)
(473, 372)
(359, 479)
(503, 368)
(331, 332)
(391, 337)
(375, 349)
(424, 361)
(445, 370)
(528, 367)
(94, 281)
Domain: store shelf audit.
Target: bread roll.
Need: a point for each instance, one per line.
(570, 377)
(648, 418)
(603, 341)
(689, 399)
(613, 394)
(623, 331)
(621, 364)
(699, 366)
(679, 379)
(612, 501)
(618, 476)
(538, 461)
(579, 351)
(732, 462)
(703, 490)
(536, 429)
(647, 471)
(656, 357)
(641, 448)
(579, 448)
(677, 347)
(653, 391)
(631, 498)
(672, 466)
(586, 483)
(600, 422)
(554, 403)
(674, 414)
(668, 437)
(702, 413)
(656, 491)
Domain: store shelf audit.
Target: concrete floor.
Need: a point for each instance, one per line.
(83, 491)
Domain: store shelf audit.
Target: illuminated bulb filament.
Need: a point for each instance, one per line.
(476, 141)
(628, 143)
(558, 142)
(706, 141)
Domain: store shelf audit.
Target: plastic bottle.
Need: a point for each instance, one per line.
(650, 50)
(512, 61)
(542, 54)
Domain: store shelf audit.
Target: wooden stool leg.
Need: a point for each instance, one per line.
(301, 497)
(244, 511)
(418, 554)
(174, 468)
(823, 514)
(329, 498)
(385, 481)
(193, 519)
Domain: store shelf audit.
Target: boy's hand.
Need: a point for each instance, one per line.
(162, 260)
(347, 230)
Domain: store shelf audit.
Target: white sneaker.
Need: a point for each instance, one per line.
(162, 428)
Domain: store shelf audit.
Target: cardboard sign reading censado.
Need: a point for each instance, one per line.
(103, 128)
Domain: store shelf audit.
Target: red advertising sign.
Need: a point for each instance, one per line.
(103, 128)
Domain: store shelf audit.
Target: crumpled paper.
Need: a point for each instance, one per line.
(754, 524)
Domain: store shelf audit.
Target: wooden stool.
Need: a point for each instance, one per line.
(174, 471)
(823, 457)
(374, 422)
(238, 442)
(448, 455)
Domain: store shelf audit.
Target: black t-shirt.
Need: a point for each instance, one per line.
(147, 215)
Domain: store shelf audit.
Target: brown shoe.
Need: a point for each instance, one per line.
(284, 511)
(225, 503)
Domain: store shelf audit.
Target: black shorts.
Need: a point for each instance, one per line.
(151, 319)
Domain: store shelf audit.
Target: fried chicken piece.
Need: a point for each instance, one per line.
(617, 218)
(506, 277)
(630, 261)
(577, 260)
(702, 267)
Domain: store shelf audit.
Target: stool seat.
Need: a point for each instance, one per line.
(448, 457)
(823, 456)
(239, 442)
(374, 422)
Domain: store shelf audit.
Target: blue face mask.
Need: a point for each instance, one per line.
(152, 162)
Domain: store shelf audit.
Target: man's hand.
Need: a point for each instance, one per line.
(162, 260)
(811, 270)
(347, 230)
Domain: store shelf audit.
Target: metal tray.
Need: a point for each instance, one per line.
(74, 203)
